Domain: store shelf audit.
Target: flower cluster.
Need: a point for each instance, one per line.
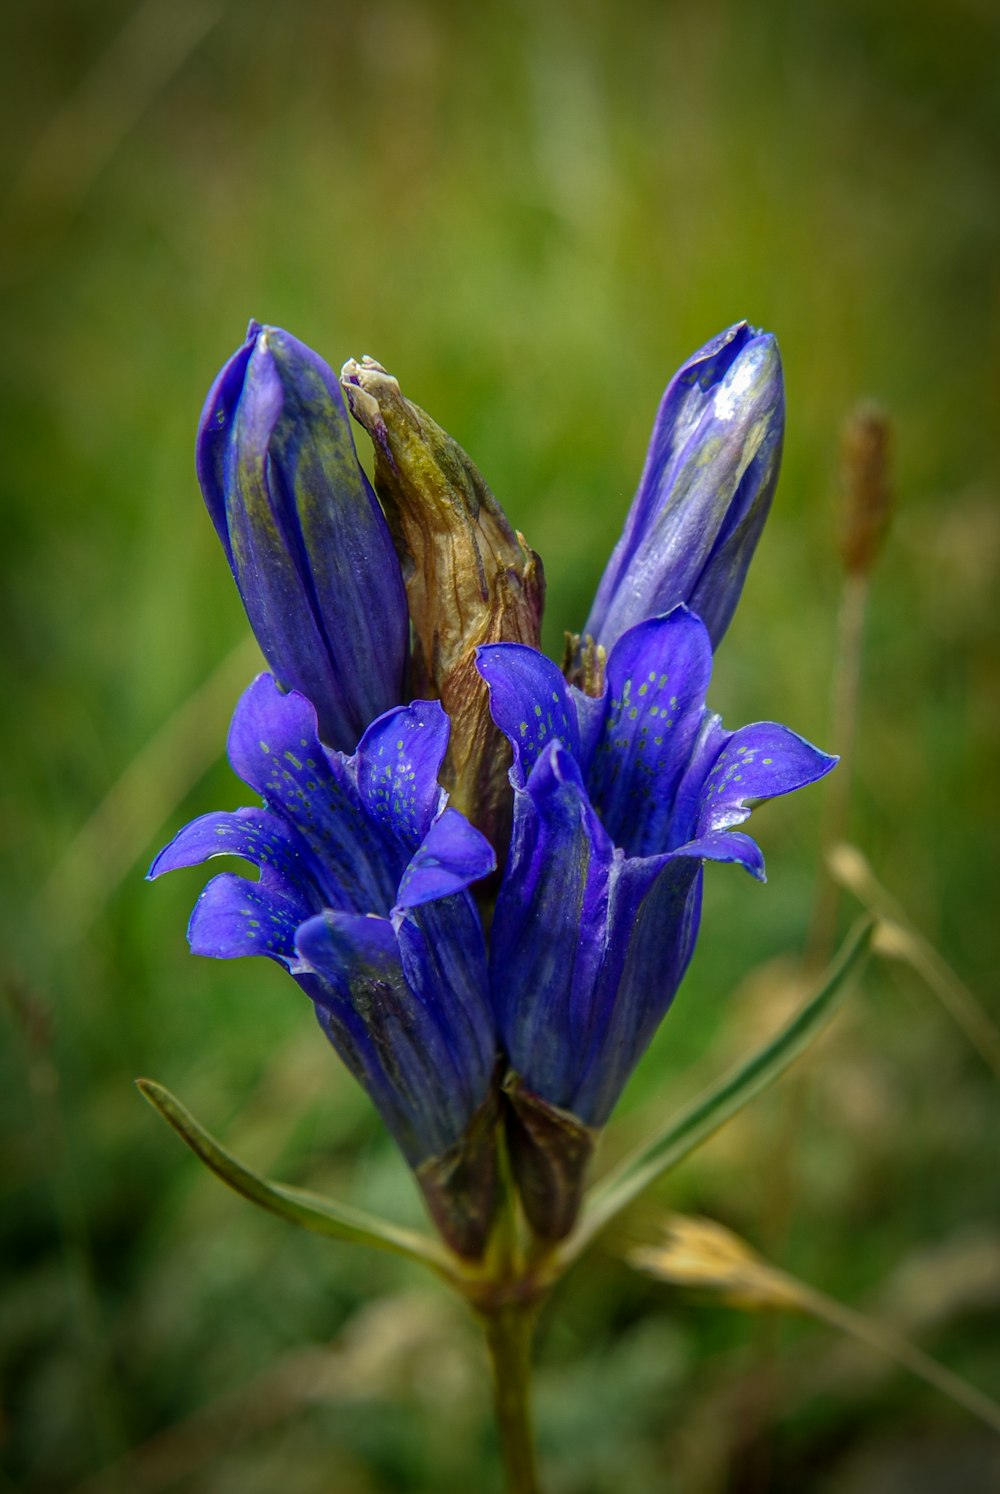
(428, 774)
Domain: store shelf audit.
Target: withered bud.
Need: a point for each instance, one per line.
(550, 1151)
(867, 496)
(470, 579)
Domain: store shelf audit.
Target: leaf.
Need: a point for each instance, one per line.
(712, 1110)
(297, 1205)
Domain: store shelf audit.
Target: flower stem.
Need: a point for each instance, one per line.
(509, 1333)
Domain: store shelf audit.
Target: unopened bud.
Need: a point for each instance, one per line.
(867, 502)
(470, 579)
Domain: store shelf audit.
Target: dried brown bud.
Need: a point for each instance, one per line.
(867, 501)
(470, 579)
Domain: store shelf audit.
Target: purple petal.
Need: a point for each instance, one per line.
(306, 539)
(274, 747)
(705, 490)
(385, 1034)
(452, 856)
(443, 954)
(214, 434)
(726, 845)
(397, 763)
(235, 917)
(757, 762)
(253, 834)
(529, 701)
(652, 928)
(548, 933)
(656, 680)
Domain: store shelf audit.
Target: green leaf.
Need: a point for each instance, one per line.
(297, 1205)
(719, 1104)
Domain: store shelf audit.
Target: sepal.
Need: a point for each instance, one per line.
(550, 1151)
(461, 1186)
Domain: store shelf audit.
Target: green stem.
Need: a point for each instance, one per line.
(509, 1333)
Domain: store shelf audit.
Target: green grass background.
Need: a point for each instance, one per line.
(531, 213)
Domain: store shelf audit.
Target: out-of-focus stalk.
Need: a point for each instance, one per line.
(866, 511)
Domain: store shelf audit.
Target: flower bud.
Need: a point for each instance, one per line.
(705, 491)
(303, 532)
(470, 580)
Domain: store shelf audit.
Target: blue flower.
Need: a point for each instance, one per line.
(618, 802)
(705, 491)
(363, 897)
(305, 537)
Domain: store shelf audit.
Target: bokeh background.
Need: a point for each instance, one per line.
(531, 213)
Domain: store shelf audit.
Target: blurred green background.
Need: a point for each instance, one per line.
(531, 213)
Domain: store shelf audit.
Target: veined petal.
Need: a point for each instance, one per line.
(388, 1038)
(452, 856)
(657, 676)
(303, 531)
(529, 701)
(705, 491)
(397, 765)
(235, 917)
(253, 834)
(757, 762)
(214, 435)
(274, 747)
(443, 955)
(652, 927)
(548, 933)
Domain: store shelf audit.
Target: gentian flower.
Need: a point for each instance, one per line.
(619, 800)
(705, 490)
(303, 532)
(363, 898)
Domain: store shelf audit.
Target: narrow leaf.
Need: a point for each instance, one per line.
(719, 1104)
(297, 1205)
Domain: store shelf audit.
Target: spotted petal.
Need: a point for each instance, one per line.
(397, 765)
(235, 917)
(657, 676)
(757, 762)
(529, 701)
(274, 747)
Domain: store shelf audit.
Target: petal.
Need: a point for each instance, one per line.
(452, 856)
(443, 954)
(397, 764)
(727, 845)
(547, 940)
(388, 1038)
(705, 490)
(214, 433)
(653, 924)
(274, 747)
(253, 834)
(656, 680)
(757, 762)
(529, 701)
(235, 917)
(304, 533)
